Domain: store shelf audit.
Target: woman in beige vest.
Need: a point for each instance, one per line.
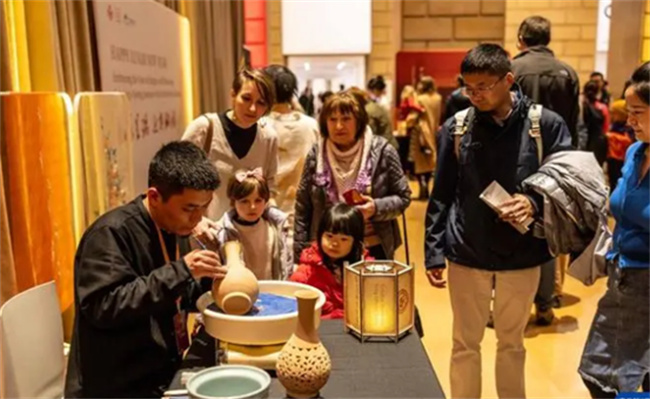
(239, 138)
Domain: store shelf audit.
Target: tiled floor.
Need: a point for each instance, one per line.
(553, 352)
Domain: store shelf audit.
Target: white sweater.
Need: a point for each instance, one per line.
(257, 246)
(297, 133)
(263, 153)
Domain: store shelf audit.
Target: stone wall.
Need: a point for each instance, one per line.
(439, 24)
(386, 38)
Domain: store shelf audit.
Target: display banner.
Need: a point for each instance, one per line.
(103, 121)
(144, 51)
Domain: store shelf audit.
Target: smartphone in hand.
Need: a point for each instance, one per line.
(353, 197)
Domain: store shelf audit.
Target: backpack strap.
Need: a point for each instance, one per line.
(535, 131)
(460, 128)
(207, 144)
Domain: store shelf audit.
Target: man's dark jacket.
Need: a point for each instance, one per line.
(459, 225)
(124, 343)
(549, 82)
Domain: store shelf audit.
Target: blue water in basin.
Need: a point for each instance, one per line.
(268, 304)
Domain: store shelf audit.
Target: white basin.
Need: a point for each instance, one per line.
(257, 330)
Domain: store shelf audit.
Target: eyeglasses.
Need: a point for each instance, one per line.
(482, 90)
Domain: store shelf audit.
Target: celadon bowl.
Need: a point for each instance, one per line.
(229, 382)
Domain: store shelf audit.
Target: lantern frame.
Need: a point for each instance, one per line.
(401, 298)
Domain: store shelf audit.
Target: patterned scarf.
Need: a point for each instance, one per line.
(345, 165)
(325, 176)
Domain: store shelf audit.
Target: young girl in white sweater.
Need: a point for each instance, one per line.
(261, 230)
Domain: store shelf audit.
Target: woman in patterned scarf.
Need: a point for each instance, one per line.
(350, 164)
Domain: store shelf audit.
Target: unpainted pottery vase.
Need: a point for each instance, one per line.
(304, 365)
(238, 291)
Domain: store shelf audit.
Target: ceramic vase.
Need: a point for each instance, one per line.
(238, 291)
(304, 365)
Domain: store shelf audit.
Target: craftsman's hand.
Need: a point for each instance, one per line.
(205, 263)
(517, 210)
(204, 232)
(436, 277)
(368, 208)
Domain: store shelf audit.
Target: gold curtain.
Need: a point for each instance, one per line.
(75, 47)
(171, 4)
(15, 58)
(216, 47)
(47, 46)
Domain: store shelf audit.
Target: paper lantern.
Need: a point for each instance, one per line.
(379, 301)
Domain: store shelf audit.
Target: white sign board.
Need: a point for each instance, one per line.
(143, 50)
(318, 27)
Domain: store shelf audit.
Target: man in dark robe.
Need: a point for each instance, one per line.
(135, 278)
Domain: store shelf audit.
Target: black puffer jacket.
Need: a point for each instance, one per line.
(389, 189)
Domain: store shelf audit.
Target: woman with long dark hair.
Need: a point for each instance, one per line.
(595, 116)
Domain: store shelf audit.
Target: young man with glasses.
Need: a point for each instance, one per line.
(484, 251)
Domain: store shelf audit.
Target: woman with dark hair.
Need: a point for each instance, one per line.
(377, 89)
(297, 133)
(378, 116)
(602, 94)
(616, 357)
(595, 116)
(457, 100)
(378, 120)
(340, 240)
(239, 138)
(350, 164)
(429, 98)
(306, 99)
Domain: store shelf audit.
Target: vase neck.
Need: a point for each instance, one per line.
(233, 254)
(306, 329)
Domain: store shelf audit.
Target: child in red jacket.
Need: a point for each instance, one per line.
(340, 240)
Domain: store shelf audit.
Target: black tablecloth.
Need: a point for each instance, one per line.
(368, 370)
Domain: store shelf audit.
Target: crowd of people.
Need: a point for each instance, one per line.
(304, 196)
